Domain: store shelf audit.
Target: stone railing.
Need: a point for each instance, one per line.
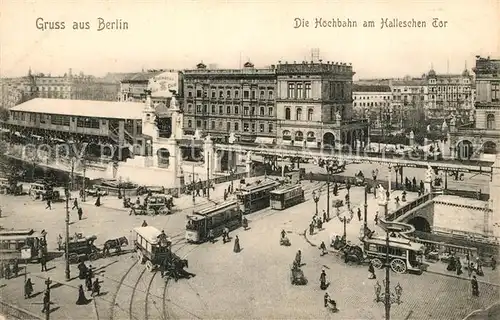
(395, 215)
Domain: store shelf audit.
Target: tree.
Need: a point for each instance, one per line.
(4, 114)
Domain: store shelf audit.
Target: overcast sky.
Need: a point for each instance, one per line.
(178, 34)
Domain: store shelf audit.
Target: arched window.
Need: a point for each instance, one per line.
(299, 136)
(298, 114)
(287, 114)
(287, 135)
(310, 136)
(490, 121)
(310, 115)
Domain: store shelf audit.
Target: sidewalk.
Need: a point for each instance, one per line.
(353, 230)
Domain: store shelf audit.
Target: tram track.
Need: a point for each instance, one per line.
(148, 289)
(115, 295)
(130, 312)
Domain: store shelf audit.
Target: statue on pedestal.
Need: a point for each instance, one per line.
(382, 196)
(429, 174)
(338, 116)
(173, 101)
(197, 135)
(208, 138)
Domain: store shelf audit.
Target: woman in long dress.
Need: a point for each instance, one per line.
(81, 296)
(236, 245)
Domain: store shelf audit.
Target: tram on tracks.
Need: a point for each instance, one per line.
(256, 196)
(404, 254)
(20, 244)
(224, 215)
(287, 196)
(152, 246)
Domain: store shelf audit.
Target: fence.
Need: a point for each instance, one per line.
(467, 194)
(14, 312)
(409, 206)
(424, 238)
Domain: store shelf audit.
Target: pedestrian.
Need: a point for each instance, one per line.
(75, 204)
(226, 229)
(371, 270)
(493, 263)
(49, 205)
(311, 228)
(81, 194)
(320, 224)
(224, 236)
(322, 280)
(376, 218)
(325, 218)
(470, 268)
(325, 299)
(298, 257)
(403, 197)
(244, 223)
(322, 247)
(43, 262)
(98, 201)
(225, 195)
(204, 191)
(96, 288)
(144, 223)
(90, 272)
(59, 242)
(81, 296)
(15, 267)
(7, 271)
(80, 213)
(397, 200)
(475, 286)
(458, 266)
(88, 282)
(211, 237)
(237, 247)
(28, 288)
(46, 302)
(359, 214)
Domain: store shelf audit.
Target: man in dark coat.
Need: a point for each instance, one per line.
(371, 270)
(322, 280)
(80, 213)
(46, 301)
(475, 286)
(359, 214)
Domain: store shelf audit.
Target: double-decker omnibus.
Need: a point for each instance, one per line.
(287, 196)
(256, 196)
(404, 254)
(216, 218)
(20, 244)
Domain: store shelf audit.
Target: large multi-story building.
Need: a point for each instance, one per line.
(134, 87)
(223, 101)
(408, 101)
(483, 136)
(449, 94)
(369, 101)
(314, 105)
(15, 90)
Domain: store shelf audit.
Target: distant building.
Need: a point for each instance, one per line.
(408, 101)
(369, 101)
(482, 136)
(223, 101)
(133, 86)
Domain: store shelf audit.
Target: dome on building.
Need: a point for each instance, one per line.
(248, 64)
(465, 73)
(431, 73)
(201, 65)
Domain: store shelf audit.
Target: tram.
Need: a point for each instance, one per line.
(20, 244)
(404, 254)
(226, 214)
(256, 196)
(286, 197)
(152, 246)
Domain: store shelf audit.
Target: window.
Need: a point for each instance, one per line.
(221, 109)
(198, 124)
(198, 93)
(204, 124)
(228, 109)
(270, 128)
(236, 94)
(253, 94)
(213, 109)
(342, 86)
(490, 121)
(213, 94)
(308, 90)
(221, 94)
(228, 93)
(246, 94)
(32, 117)
(42, 118)
(291, 90)
(287, 114)
(495, 94)
(205, 93)
(298, 114)
(189, 107)
(270, 111)
(236, 110)
(236, 126)
(198, 108)
(212, 125)
(261, 127)
(246, 127)
(287, 135)
(205, 109)
(64, 121)
(262, 111)
(86, 122)
(300, 92)
(190, 123)
(228, 126)
(253, 127)
(310, 113)
(253, 111)
(270, 95)
(262, 94)
(245, 111)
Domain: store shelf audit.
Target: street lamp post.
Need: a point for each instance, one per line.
(316, 195)
(328, 169)
(345, 219)
(365, 217)
(68, 275)
(48, 282)
(348, 187)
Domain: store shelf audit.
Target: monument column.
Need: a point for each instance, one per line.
(208, 154)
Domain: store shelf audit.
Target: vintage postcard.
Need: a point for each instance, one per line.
(249, 159)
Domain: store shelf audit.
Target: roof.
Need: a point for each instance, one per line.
(261, 186)
(84, 108)
(217, 207)
(370, 88)
(409, 83)
(141, 76)
(286, 189)
(149, 233)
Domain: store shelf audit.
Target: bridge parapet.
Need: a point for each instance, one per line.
(398, 213)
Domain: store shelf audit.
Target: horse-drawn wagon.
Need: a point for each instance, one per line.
(297, 276)
(154, 205)
(82, 248)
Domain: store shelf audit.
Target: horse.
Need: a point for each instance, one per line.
(114, 244)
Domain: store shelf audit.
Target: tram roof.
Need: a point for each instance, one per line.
(149, 233)
(83, 108)
(23, 232)
(286, 189)
(263, 185)
(199, 215)
(399, 242)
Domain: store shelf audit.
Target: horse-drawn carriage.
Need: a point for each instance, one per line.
(153, 205)
(154, 249)
(82, 248)
(359, 179)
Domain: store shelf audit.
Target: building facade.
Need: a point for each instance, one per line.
(450, 94)
(135, 87)
(314, 105)
(408, 102)
(369, 101)
(483, 136)
(224, 101)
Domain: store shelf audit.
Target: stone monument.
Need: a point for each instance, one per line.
(429, 178)
(382, 200)
(412, 138)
